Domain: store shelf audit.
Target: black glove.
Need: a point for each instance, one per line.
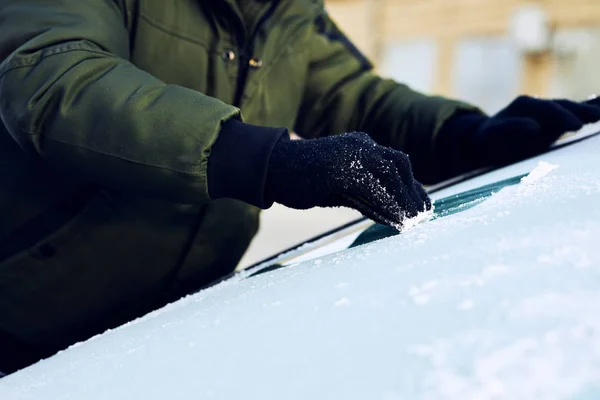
(526, 127)
(348, 170)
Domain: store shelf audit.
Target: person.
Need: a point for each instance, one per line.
(140, 139)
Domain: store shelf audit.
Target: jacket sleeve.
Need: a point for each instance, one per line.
(344, 94)
(70, 96)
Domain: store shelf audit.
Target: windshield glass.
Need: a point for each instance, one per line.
(366, 232)
(442, 208)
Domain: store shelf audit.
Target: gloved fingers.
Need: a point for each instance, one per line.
(379, 208)
(525, 107)
(552, 117)
(559, 120)
(416, 195)
(400, 161)
(593, 100)
(587, 113)
(400, 185)
(366, 209)
(511, 139)
(383, 197)
(404, 170)
(425, 199)
(504, 134)
(529, 107)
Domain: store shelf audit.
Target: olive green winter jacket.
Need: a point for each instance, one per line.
(109, 110)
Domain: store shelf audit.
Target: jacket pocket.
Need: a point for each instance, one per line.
(37, 279)
(108, 264)
(43, 225)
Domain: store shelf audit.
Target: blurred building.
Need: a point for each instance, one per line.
(483, 51)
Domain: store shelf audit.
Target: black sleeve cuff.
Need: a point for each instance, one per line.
(238, 162)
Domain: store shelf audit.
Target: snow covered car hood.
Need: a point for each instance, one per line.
(499, 301)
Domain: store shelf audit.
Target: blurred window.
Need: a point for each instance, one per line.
(486, 72)
(576, 63)
(412, 63)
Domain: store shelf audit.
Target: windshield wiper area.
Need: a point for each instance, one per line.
(443, 207)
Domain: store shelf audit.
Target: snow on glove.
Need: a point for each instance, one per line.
(348, 170)
(526, 127)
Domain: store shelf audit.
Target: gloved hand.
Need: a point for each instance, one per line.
(526, 127)
(345, 170)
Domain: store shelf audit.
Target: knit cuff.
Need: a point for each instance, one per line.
(238, 162)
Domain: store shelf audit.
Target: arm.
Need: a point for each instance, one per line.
(344, 94)
(70, 95)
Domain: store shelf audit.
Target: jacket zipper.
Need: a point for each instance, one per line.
(246, 54)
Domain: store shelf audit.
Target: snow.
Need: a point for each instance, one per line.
(499, 301)
(343, 302)
(543, 168)
(466, 305)
(421, 217)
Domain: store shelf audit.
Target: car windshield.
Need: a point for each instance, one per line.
(372, 232)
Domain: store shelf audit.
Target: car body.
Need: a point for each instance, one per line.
(495, 298)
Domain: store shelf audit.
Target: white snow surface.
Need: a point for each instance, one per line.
(497, 302)
(421, 217)
(543, 168)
